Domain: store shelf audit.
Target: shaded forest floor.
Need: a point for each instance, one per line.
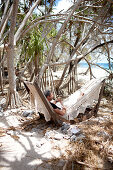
(33, 144)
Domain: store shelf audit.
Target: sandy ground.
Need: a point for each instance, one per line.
(84, 78)
(32, 144)
(39, 145)
(97, 72)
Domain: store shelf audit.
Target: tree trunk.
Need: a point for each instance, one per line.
(12, 94)
(1, 78)
(36, 63)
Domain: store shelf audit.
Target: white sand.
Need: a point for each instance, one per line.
(83, 78)
(97, 72)
(21, 150)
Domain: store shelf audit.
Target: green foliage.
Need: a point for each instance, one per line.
(33, 46)
(52, 33)
(63, 40)
(63, 37)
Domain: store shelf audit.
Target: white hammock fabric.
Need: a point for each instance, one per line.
(39, 105)
(75, 103)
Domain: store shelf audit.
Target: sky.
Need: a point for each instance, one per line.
(62, 5)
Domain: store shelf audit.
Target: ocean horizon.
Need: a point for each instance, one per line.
(103, 65)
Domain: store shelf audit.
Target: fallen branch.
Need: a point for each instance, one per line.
(85, 164)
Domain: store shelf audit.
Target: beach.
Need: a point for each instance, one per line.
(82, 77)
(33, 144)
(97, 72)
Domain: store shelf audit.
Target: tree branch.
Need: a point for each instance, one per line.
(97, 46)
(76, 5)
(4, 15)
(18, 33)
(3, 25)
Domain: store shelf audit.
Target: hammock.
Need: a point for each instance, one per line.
(75, 103)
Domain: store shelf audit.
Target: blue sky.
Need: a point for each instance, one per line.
(62, 5)
(57, 1)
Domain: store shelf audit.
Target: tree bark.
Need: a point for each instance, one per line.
(3, 25)
(4, 15)
(1, 78)
(36, 63)
(12, 95)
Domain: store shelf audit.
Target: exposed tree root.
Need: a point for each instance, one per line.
(13, 99)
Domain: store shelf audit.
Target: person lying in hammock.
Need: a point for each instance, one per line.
(56, 104)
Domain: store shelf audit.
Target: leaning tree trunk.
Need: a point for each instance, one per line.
(1, 78)
(12, 94)
(36, 63)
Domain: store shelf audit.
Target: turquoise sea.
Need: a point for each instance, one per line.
(104, 65)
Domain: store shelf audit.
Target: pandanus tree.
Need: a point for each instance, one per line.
(12, 94)
(14, 36)
(33, 47)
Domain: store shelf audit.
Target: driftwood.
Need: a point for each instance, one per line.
(76, 162)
